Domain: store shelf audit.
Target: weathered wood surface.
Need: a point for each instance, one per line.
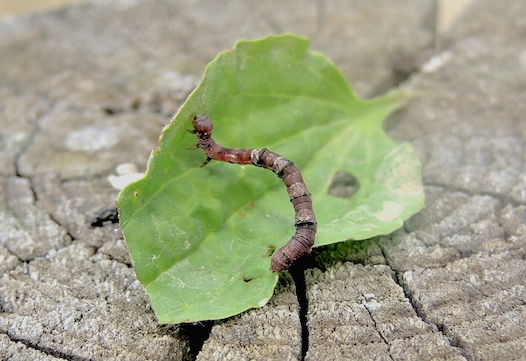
(87, 88)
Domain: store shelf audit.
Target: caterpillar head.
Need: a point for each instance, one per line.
(202, 124)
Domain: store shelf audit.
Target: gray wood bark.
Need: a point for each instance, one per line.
(89, 87)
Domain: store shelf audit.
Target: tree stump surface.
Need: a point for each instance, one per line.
(89, 87)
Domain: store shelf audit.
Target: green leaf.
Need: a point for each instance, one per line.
(201, 238)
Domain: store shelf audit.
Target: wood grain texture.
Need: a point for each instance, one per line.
(450, 283)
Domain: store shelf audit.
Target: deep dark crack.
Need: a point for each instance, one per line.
(195, 335)
(297, 271)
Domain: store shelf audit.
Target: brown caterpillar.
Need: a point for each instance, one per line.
(305, 221)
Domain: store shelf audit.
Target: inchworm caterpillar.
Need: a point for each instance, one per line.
(305, 221)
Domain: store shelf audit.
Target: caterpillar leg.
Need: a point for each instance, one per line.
(192, 131)
(208, 159)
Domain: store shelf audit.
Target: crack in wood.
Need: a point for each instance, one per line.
(377, 330)
(297, 271)
(195, 335)
(45, 350)
(407, 294)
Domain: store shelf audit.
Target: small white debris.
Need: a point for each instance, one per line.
(369, 296)
(436, 62)
(373, 305)
(119, 182)
(126, 168)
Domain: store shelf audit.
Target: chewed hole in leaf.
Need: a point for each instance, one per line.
(343, 185)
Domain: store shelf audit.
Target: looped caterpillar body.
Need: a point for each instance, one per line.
(305, 221)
